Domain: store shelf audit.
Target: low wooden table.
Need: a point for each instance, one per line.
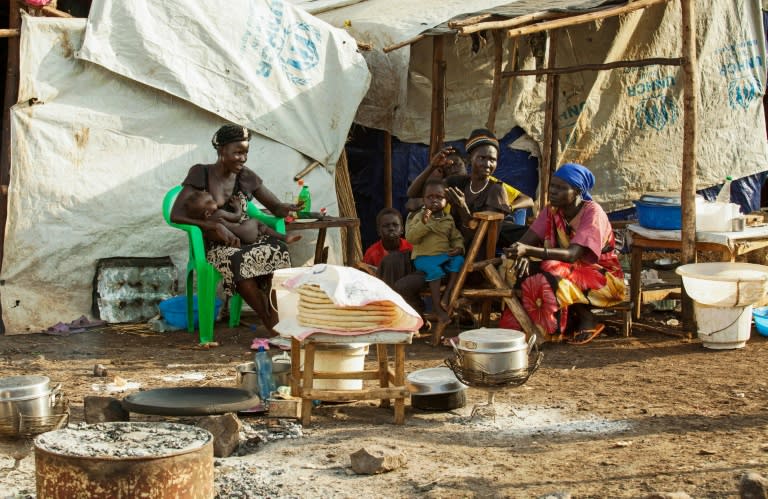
(323, 225)
(728, 244)
(391, 379)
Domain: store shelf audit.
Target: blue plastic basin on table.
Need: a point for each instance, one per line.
(658, 216)
(174, 310)
(760, 315)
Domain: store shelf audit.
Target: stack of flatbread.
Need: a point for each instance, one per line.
(317, 310)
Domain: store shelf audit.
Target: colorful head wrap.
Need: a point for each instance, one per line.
(481, 137)
(579, 177)
(230, 133)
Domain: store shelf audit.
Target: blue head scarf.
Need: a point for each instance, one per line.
(579, 177)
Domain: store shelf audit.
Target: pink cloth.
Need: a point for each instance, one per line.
(590, 229)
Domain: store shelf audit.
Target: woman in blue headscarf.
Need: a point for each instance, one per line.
(574, 264)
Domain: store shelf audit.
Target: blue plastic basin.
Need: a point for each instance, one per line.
(174, 310)
(760, 315)
(658, 216)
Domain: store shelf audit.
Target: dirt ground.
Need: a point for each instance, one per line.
(621, 417)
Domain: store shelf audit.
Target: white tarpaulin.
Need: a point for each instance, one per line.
(263, 64)
(624, 124)
(92, 158)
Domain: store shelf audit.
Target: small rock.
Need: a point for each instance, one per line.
(556, 495)
(753, 486)
(621, 443)
(226, 433)
(376, 459)
(707, 452)
(99, 371)
(104, 410)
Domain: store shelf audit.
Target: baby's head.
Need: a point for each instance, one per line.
(434, 194)
(200, 205)
(389, 224)
(457, 165)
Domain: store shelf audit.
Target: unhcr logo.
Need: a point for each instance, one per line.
(656, 112)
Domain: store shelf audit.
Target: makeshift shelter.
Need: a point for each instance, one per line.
(113, 111)
(617, 105)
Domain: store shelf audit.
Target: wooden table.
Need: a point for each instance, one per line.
(322, 225)
(391, 379)
(728, 244)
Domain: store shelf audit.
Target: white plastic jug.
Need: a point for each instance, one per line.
(716, 217)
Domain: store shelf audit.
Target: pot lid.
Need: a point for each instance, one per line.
(433, 381)
(492, 340)
(14, 387)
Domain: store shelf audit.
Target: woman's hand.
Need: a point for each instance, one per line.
(440, 160)
(518, 252)
(456, 198)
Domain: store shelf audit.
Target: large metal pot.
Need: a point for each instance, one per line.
(436, 389)
(248, 379)
(28, 395)
(494, 351)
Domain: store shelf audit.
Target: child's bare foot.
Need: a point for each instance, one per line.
(442, 315)
(292, 238)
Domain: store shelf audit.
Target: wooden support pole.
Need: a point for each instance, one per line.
(690, 139)
(470, 20)
(387, 169)
(512, 302)
(550, 126)
(10, 33)
(404, 43)
(655, 61)
(523, 20)
(437, 133)
(498, 54)
(10, 98)
(53, 12)
(567, 22)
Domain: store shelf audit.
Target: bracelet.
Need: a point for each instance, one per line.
(546, 253)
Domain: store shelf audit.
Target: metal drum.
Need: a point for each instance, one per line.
(114, 460)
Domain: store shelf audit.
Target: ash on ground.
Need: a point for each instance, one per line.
(246, 481)
(252, 436)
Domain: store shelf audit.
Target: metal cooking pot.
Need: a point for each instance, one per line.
(248, 379)
(28, 395)
(436, 389)
(494, 351)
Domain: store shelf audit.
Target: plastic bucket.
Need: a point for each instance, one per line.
(338, 357)
(722, 328)
(174, 310)
(284, 300)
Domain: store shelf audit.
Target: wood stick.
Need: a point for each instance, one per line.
(467, 21)
(399, 45)
(512, 302)
(488, 293)
(510, 23)
(550, 125)
(387, 169)
(437, 132)
(346, 395)
(661, 330)
(583, 18)
(10, 33)
(53, 12)
(690, 139)
(498, 53)
(660, 61)
(306, 170)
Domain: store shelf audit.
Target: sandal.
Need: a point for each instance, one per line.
(586, 335)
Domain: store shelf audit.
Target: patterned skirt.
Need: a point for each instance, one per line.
(255, 260)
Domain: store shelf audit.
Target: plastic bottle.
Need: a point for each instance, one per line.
(263, 365)
(305, 197)
(724, 196)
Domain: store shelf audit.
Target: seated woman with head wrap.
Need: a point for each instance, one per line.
(575, 266)
(245, 268)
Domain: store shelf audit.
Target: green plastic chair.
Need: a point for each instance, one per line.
(207, 275)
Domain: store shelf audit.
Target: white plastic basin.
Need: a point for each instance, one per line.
(725, 284)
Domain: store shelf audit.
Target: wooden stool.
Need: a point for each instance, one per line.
(391, 380)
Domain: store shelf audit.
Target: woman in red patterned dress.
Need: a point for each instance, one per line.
(575, 267)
